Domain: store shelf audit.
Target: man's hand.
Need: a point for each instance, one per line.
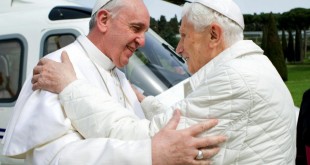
(53, 76)
(180, 147)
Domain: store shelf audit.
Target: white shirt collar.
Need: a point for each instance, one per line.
(95, 54)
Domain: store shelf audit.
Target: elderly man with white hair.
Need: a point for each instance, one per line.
(232, 81)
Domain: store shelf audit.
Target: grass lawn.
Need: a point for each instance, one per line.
(298, 81)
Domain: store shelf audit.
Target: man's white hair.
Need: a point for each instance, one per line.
(201, 17)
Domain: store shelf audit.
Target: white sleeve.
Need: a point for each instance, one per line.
(151, 107)
(105, 151)
(97, 114)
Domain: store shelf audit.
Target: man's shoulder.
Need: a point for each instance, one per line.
(57, 54)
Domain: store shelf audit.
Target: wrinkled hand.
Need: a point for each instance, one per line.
(180, 147)
(53, 76)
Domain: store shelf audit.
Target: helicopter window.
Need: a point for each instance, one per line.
(55, 42)
(11, 51)
(63, 13)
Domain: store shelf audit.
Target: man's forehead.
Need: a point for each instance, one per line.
(184, 24)
(133, 19)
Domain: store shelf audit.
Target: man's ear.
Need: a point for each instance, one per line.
(102, 20)
(216, 33)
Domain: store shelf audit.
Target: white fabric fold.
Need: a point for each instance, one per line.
(40, 131)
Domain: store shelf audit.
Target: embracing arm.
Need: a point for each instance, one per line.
(88, 108)
(169, 146)
(90, 117)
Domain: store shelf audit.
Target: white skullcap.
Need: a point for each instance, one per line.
(227, 8)
(98, 5)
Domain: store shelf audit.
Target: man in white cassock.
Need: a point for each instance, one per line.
(232, 81)
(40, 132)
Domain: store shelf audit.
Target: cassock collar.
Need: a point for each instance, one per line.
(95, 54)
(241, 48)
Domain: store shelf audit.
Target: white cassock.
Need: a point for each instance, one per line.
(40, 132)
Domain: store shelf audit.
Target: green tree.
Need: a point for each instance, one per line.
(174, 24)
(301, 18)
(162, 24)
(264, 37)
(297, 19)
(250, 22)
(298, 46)
(273, 48)
(154, 24)
(290, 47)
(284, 44)
(166, 31)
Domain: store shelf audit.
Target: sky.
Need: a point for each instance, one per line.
(159, 7)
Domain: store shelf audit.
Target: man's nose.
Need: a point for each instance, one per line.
(141, 40)
(179, 48)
